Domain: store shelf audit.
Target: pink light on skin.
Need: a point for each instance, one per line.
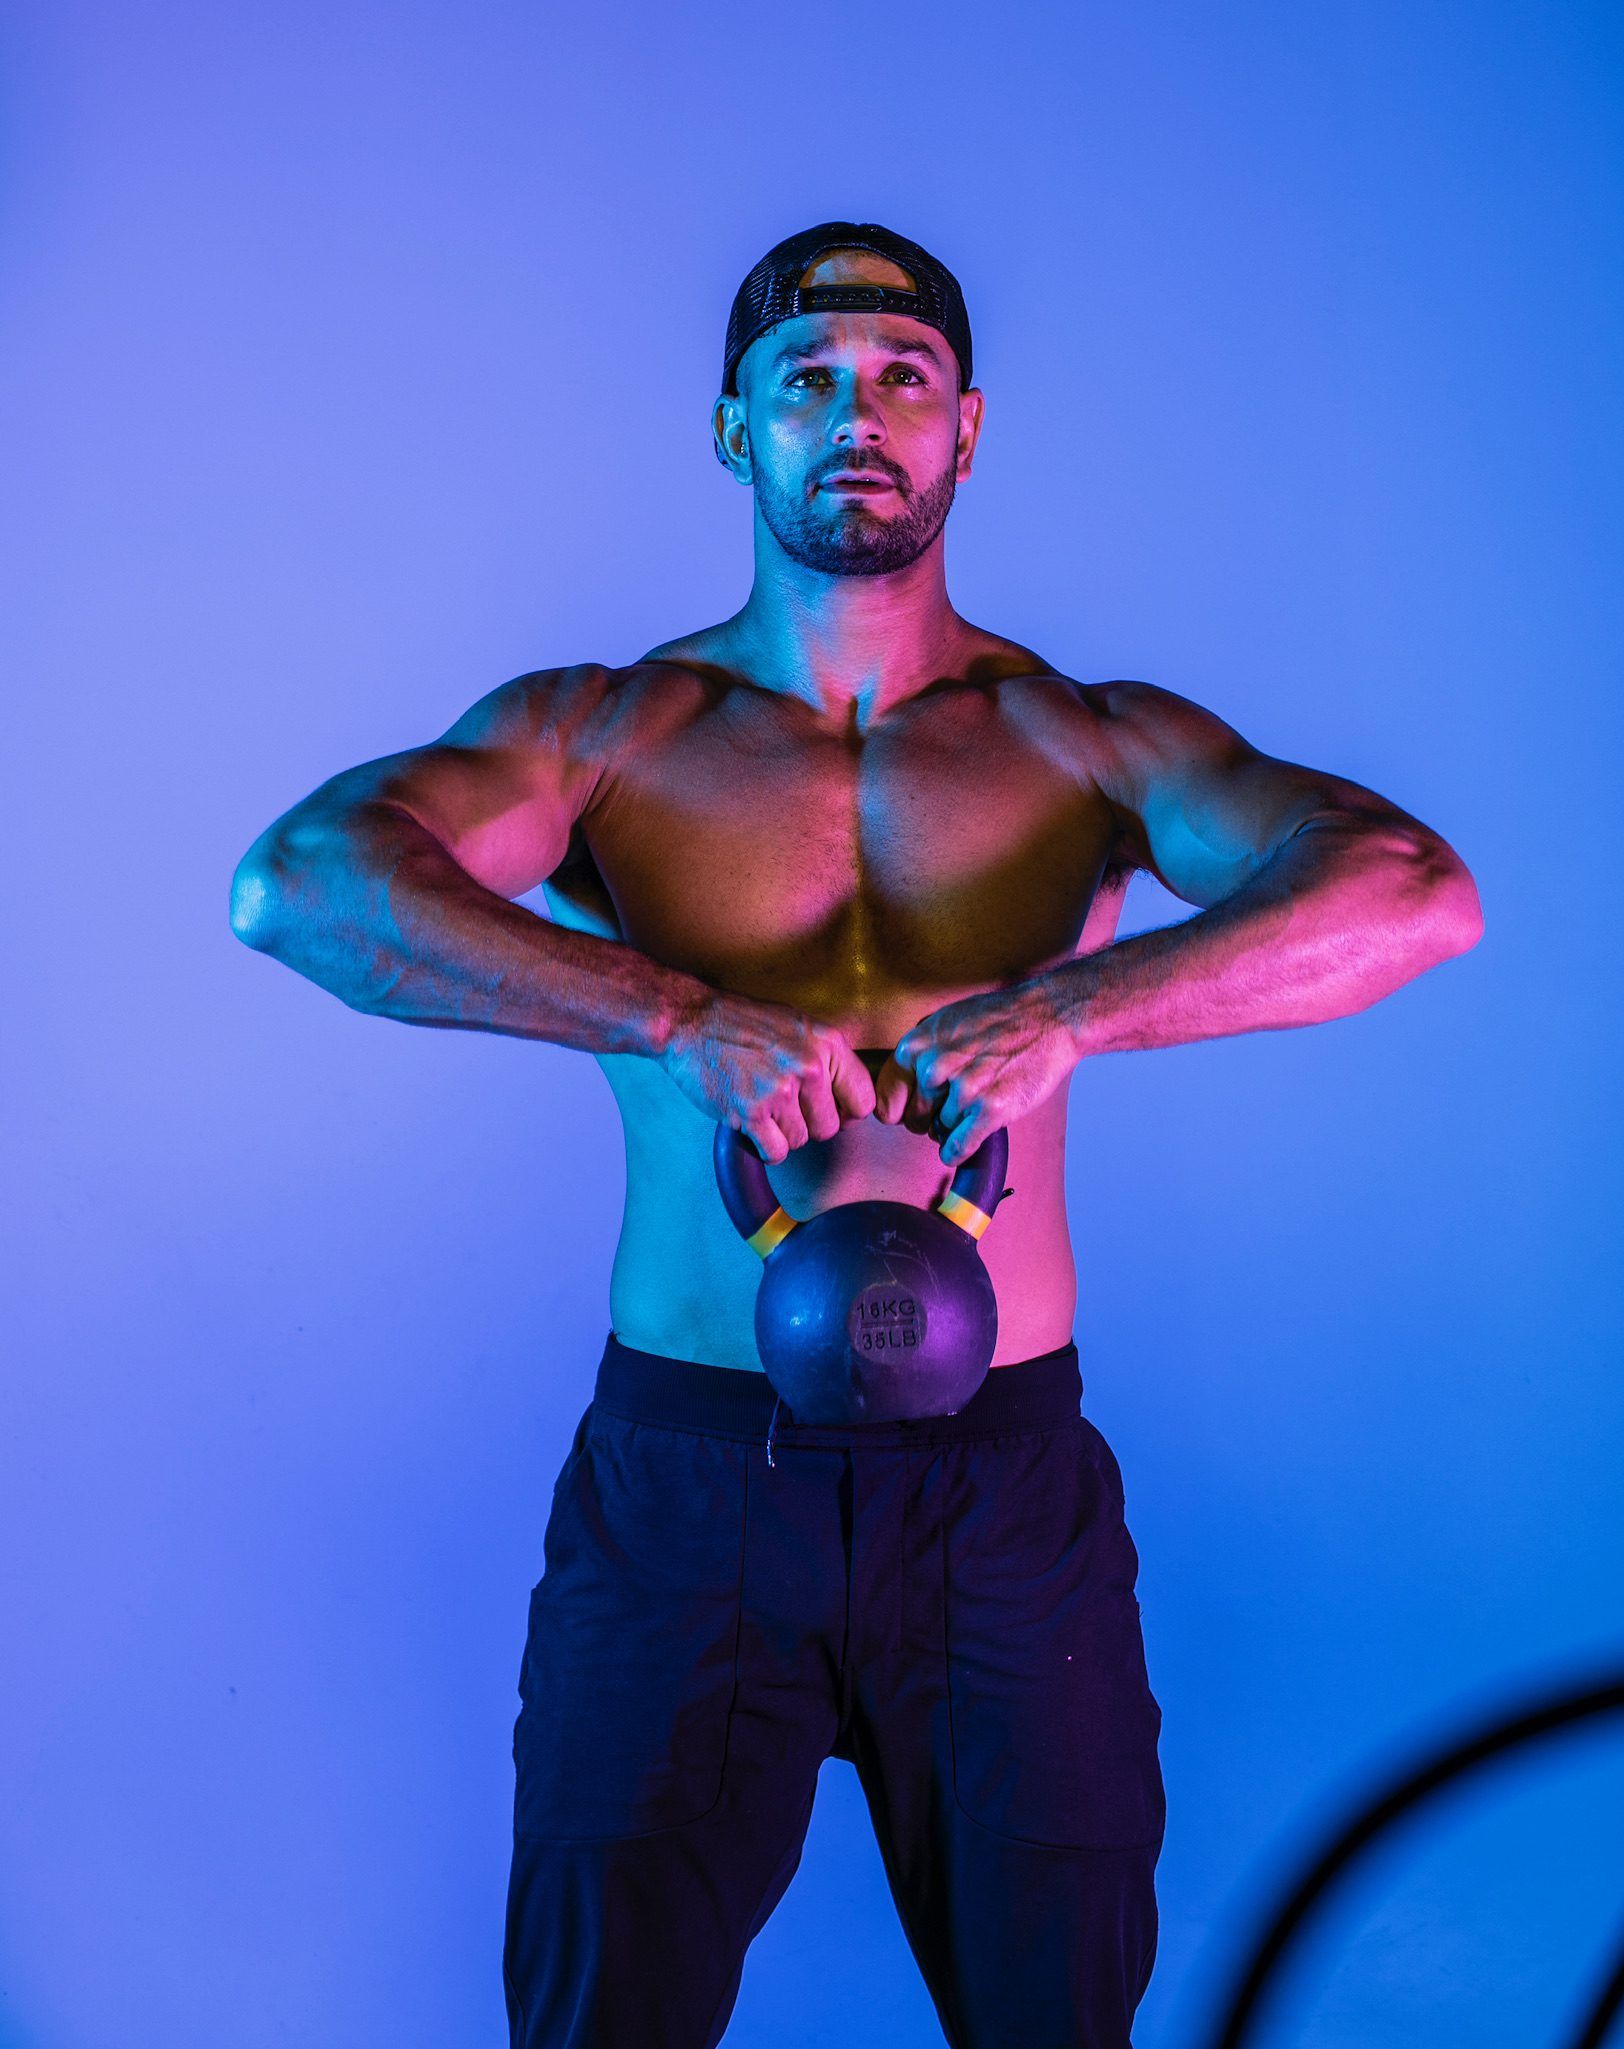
(849, 569)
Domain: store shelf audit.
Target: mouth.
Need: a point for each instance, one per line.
(865, 482)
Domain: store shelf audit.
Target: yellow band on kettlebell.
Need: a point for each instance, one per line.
(773, 1232)
(958, 1209)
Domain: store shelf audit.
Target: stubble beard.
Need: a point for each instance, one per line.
(854, 541)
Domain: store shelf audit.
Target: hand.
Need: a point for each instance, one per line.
(769, 1071)
(974, 1066)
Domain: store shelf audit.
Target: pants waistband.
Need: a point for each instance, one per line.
(648, 1387)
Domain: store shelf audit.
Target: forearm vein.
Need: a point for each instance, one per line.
(1338, 918)
(376, 911)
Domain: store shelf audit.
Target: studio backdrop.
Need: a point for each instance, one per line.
(357, 358)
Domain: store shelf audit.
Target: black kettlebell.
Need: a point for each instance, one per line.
(871, 1311)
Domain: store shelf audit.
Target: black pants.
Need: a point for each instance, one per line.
(947, 1603)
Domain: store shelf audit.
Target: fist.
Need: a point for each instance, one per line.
(974, 1066)
(769, 1071)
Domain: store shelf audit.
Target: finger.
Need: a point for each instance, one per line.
(908, 1048)
(927, 1068)
(964, 1136)
(766, 1137)
(854, 1092)
(921, 1109)
(891, 1086)
(818, 1106)
(957, 1104)
(787, 1116)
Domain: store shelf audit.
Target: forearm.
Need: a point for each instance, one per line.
(373, 909)
(1340, 917)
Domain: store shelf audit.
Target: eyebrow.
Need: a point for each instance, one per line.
(812, 352)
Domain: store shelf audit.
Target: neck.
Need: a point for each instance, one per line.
(848, 645)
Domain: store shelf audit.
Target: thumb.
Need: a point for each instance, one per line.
(891, 1088)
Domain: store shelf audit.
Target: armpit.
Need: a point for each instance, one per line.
(577, 897)
(1105, 911)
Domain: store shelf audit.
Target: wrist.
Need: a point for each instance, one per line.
(1065, 992)
(682, 1005)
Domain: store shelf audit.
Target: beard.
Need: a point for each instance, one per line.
(852, 539)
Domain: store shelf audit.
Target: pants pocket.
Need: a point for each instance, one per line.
(1054, 1727)
(631, 1653)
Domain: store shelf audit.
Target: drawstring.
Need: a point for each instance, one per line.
(772, 1426)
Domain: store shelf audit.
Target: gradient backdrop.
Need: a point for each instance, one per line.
(357, 358)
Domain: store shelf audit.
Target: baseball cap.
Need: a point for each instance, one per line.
(773, 291)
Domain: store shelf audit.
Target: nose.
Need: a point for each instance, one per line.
(855, 420)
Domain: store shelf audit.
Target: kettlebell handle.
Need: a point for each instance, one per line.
(974, 1194)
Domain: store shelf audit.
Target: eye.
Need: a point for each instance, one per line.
(815, 370)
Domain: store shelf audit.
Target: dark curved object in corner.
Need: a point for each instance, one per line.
(1257, 1982)
(1604, 2009)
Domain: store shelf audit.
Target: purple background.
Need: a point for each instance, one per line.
(356, 358)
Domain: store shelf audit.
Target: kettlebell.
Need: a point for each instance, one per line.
(870, 1311)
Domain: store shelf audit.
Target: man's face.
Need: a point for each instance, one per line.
(829, 394)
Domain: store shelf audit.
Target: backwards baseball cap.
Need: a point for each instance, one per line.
(773, 291)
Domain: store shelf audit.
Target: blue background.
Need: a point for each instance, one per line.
(356, 358)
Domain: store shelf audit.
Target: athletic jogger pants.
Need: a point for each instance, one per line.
(947, 1603)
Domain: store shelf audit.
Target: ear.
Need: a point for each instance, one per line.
(729, 437)
(971, 406)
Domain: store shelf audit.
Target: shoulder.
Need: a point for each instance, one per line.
(1139, 719)
(1137, 746)
(1130, 738)
(530, 706)
(1121, 716)
(585, 708)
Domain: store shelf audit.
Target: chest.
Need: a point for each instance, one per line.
(953, 846)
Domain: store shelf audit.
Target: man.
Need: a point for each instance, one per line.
(840, 872)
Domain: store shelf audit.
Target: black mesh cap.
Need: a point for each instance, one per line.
(773, 291)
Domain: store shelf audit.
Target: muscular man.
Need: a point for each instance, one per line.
(843, 871)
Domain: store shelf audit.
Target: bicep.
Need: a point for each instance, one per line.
(1201, 808)
(500, 789)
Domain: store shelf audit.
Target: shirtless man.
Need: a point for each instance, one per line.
(843, 820)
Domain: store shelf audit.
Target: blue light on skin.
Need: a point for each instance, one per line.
(826, 392)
